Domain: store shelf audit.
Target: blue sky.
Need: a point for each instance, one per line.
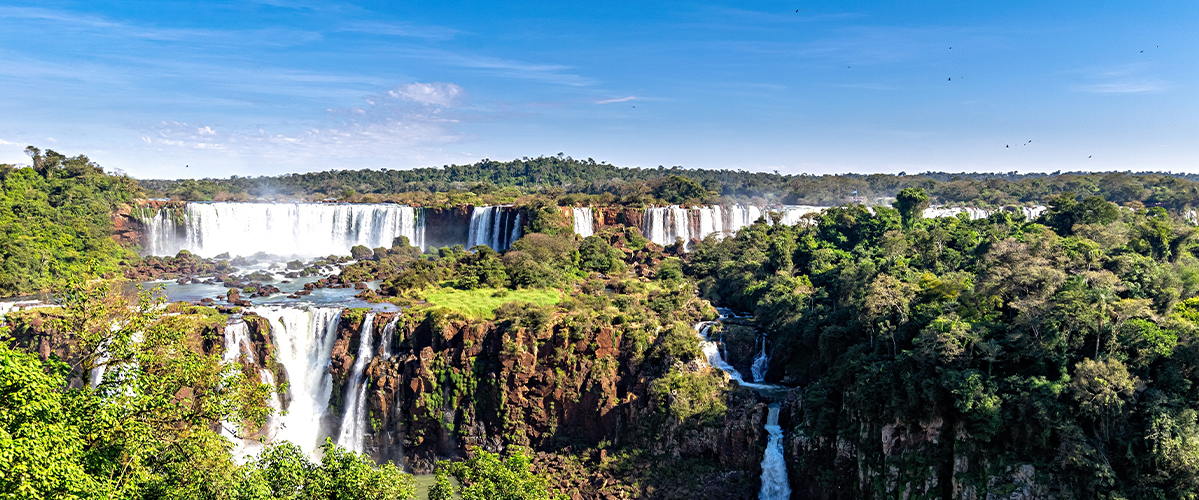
(260, 88)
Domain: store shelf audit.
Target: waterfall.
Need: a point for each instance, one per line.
(237, 344)
(584, 221)
(712, 352)
(303, 338)
(741, 216)
(494, 226)
(305, 229)
(663, 225)
(761, 363)
(354, 421)
(388, 332)
(161, 232)
(774, 466)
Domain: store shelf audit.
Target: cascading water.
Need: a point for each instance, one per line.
(775, 485)
(584, 221)
(303, 338)
(162, 233)
(353, 420)
(237, 344)
(388, 332)
(664, 225)
(305, 229)
(495, 226)
(761, 363)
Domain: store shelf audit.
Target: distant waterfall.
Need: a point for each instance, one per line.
(305, 229)
(584, 221)
(353, 421)
(775, 485)
(303, 338)
(665, 225)
(1023, 213)
(495, 226)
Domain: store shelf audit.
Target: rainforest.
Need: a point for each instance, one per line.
(549, 328)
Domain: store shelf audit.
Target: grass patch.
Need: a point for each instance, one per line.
(483, 302)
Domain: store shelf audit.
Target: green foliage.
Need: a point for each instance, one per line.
(1062, 345)
(56, 221)
(483, 302)
(284, 472)
(686, 395)
(42, 452)
(485, 476)
(911, 203)
(595, 254)
(1065, 212)
(678, 189)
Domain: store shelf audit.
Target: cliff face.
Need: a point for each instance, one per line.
(932, 459)
(446, 226)
(453, 384)
(616, 216)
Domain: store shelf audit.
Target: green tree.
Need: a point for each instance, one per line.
(42, 452)
(911, 203)
(485, 476)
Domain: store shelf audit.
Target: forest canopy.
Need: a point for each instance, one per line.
(560, 175)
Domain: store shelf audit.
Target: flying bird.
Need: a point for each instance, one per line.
(1007, 147)
(1088, 156)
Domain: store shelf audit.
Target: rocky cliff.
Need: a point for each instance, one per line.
(550, 383)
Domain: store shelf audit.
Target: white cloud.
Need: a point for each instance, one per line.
(1122, 79)
(618, 99)
(434, 94)
(1126, 87)
(6, 143)
(402, 122)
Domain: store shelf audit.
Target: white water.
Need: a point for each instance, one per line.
(712, 352)
(664, 225)
(388, 332)
(237, 344)
(303, 338)
(353, 420)
(584, 221)
(495, 226)
(774, 466)
(161, 236)
(775, 485)
(301, 229)
(1027, 213)
(761, 363)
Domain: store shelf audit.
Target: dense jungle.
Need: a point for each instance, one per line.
(905, 356)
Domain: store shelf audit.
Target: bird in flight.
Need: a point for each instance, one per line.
(1088, 156)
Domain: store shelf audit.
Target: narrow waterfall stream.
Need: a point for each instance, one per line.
(774, 466)
(775, 485)
(353, 420)
(761, 363)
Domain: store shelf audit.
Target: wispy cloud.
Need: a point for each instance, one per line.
(6, 143)
(618, 99)
(436, 94)
(1130, 87)
(1124, 79)
(402, 122)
